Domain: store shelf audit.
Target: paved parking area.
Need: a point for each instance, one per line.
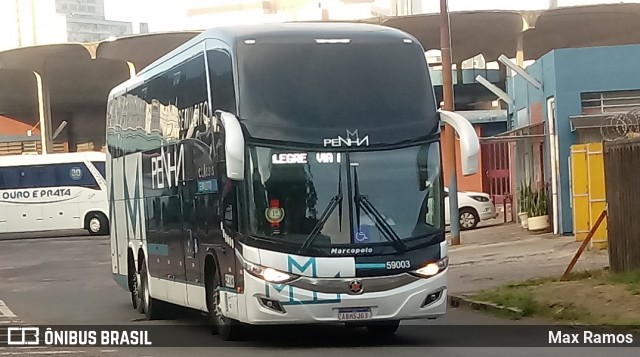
(497, 254)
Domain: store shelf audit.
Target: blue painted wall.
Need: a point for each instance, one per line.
(566, 73)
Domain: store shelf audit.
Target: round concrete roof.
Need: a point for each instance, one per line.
(82, 74)
(490, 33)
(493, 33)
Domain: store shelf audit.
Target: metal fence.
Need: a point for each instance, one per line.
(622, 171)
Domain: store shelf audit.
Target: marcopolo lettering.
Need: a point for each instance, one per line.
(352, 251)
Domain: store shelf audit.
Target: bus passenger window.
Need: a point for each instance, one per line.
(229, 205)
(101, 167)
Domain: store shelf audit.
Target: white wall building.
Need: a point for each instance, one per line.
(30, 22)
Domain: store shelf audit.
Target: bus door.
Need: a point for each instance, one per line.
(191, 239)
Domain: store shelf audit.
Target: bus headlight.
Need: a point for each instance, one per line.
(268, 274)
(432, 268)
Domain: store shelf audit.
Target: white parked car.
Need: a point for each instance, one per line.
(473, 208)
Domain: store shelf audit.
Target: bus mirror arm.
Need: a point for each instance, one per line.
(233, 145)
(469, 143)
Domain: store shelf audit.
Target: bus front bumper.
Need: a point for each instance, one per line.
(268, 303)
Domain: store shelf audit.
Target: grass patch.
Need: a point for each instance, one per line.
(591, 297)
(630, 279)
(510, 296)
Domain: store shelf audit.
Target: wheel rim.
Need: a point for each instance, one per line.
(467, 220)
(94, 224)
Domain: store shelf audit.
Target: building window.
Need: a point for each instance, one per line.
(610, 101)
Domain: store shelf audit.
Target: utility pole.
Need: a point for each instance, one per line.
(33, 22)
(18, 17)
(447, 97)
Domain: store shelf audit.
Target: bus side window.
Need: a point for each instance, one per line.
(75, 174)
(9, 178)
(100, 166)
(37, 177)
(230, 205)
(222, 83)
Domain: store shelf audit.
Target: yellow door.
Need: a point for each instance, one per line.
(597, 193)
(580, 191)
(588, 192)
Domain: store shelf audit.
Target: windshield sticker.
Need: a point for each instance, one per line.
(274, 215)
(207, 186)
(363, 235)
(352, 139)
(289, 158)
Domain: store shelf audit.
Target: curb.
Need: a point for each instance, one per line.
(464, 301)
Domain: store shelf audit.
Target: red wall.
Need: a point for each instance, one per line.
(12, 127)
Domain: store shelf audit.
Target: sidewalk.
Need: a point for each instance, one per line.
(495, 255)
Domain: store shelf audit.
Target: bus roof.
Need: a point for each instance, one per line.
(293, 32)
(59, 158)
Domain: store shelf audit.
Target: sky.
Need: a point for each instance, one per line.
(168, 15)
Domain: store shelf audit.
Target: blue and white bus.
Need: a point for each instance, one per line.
(52, 192)
(283, 174)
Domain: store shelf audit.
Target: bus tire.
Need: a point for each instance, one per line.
(97, 224)
(386, 328)
(228, 329)
(150, 307)
(134, 281)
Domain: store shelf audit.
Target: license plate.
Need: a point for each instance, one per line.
(354, 314)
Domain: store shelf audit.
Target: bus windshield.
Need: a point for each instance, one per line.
(332, 198)
(384, 87)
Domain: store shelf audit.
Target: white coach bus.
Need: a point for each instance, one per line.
(53, 192)
(292, 175)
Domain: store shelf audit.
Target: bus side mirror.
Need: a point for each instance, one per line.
(233, 145)
(469, 143)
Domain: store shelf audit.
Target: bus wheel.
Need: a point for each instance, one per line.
(146, 304)
(385, 328)
(133, 283)
(228, 329)
(97, 224)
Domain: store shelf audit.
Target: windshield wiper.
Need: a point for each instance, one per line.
(370, 210)
(324, 217)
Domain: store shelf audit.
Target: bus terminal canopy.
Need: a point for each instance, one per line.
(78, 77)
(89, 69)
(492, 33)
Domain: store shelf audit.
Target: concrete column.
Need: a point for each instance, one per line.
(44, 113)
(132, 69)
(459, 72)
(520, 50)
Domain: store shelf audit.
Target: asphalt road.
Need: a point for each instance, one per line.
(67, 281)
